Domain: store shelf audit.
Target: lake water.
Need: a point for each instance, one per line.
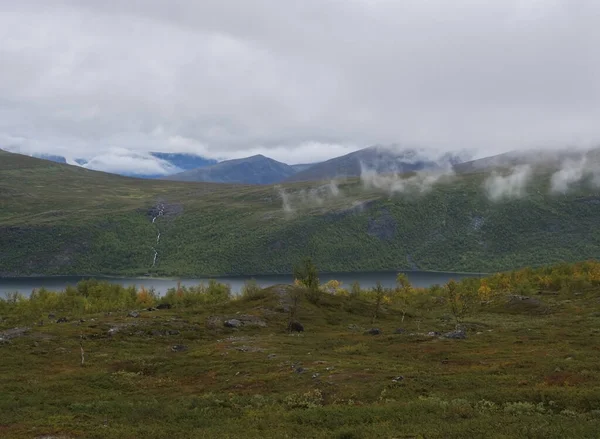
(161, 285)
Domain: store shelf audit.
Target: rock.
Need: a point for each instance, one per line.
(4, 341)
(295, 327)
(353, 327)
(51, 316)
(397, 379)
(62, 320)
(300, 370)
(172, 332)
(399, 331)
(433, 334)
(249, 320)
(315, 376)
(233, 323)
(179, 348)
(163, 306)
(152, 309)
(214, 322)
(458, 334)
(133, 314)
(272, 356)
(373, 331)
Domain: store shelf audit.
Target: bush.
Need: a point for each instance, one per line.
(252, 291)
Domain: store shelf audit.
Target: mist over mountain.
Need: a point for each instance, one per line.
(257, 169)
(380, 159)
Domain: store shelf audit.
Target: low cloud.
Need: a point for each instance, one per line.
(124, 161)
(421, 182)
(306, 198)
(501, 187)
(574, 172)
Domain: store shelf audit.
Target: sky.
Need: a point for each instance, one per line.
(297, 81)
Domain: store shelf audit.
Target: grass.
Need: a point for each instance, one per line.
(59, 219)
(519, 373)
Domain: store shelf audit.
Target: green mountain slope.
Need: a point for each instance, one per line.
(60, 219)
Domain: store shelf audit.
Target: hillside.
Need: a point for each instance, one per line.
(257, 169)
(60, 219)
(377, 158)
(103, 361)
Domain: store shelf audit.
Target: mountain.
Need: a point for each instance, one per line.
(59, 219)
(257, 169)
(51, 157)
(377, 158)
(184, 162)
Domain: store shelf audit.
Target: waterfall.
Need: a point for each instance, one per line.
(161, 211)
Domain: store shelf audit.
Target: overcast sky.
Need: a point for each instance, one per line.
(300, 81)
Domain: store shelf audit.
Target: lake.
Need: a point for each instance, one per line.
(161, 285)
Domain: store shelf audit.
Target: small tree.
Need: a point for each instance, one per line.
(355, 289)
(484, 292)
(379, 294)
(307, 275)
(404, 293)
(460, 300)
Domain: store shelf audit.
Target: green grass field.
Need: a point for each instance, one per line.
(527, 370)
(59, 219)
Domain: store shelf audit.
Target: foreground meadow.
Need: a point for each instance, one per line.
(514, 355)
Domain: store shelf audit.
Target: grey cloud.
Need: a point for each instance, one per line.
(511, 186)
(300, 81)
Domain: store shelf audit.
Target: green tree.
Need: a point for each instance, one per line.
(460, 300)
(307, 275)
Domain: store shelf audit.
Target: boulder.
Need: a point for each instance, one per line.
(133, 314)
(233, 323)
(458, 334)
(179, 348)
(373, 331)
(295, 327)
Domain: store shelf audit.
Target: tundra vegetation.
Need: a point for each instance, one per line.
(514, 354)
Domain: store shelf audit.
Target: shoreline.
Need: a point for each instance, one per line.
(232, 276)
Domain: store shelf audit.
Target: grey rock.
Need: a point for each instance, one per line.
(9, 334)
(300, 370)
(62, 320)
(272, 356)
(397, 379)
(458, 334)
(399, 331)
(179, 348)
(233, 323)
(434, 334)
(133, 314)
